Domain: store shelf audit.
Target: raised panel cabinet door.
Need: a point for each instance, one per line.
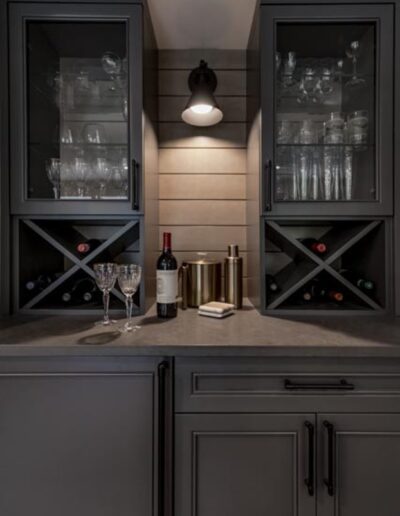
(360, 477)
(250, 464)
(77, 444)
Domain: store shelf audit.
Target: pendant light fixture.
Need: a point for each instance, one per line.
(202, 108)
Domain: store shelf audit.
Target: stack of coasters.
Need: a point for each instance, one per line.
(216, 310)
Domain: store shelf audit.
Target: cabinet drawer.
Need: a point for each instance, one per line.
(251, 385)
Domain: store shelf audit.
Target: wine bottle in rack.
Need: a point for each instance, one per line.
(84, 290)
(316, 246)
(356, 279)
(87, 246)
(314, 291)
(167, 281)
(41, 282)
(272, 285)
(335, 295)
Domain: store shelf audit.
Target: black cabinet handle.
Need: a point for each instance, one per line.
(330, 481)
(341, 385)
(268, 182)
(162, 414)
(135, 185)
(309, 480)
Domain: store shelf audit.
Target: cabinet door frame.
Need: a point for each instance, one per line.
(383, 16)
(347, 425)
(19, 14)
(189, 428)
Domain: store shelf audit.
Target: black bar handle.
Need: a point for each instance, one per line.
(268, 182)
(309, 480)
(135, 185)
(162, 414)
(330, 481)
(341, 385)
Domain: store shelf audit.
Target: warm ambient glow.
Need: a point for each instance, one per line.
(202, 109)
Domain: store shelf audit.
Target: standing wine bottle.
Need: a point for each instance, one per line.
(272, 285)
(357, 280)
(167, 281)
(316, 246)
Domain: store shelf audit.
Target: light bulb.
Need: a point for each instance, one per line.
(202, 109)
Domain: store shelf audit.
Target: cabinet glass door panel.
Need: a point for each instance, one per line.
(328, 109)
(325, 112)
(77, 110)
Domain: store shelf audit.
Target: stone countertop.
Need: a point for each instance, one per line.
(246, 333)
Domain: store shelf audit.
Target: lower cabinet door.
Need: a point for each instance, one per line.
(77, 444)
(243, 465)
(359, 460)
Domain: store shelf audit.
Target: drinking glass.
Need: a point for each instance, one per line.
(103, 173)
(94, 133)
(354, 53)
(80, 171)
(284, 131)
(53, 169)
(358, 129)
(129, 277)
(105, 276)
(288, 69)
(112, 65)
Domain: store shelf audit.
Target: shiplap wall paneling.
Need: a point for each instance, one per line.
(202, 177)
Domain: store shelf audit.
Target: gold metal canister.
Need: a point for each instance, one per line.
(234, 277)
(201, 282)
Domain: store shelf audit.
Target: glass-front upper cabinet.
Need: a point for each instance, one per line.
(76, 108)
(327, 104)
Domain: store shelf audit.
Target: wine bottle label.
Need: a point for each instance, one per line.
(167, 286)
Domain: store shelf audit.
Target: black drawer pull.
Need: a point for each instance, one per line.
(330, 481)
(162, 414)
(135, 185)
(341, 385)
(309, 481)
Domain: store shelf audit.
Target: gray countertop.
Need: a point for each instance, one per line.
(246, 333)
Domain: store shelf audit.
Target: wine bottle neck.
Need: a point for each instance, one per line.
(167, 243)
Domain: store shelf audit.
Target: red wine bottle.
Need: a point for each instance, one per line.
(272, 285)
(357, 280)
(316, 246)
(87, 246)
(167, 281)
(335, 295)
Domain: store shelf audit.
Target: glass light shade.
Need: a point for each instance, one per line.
(202, 109)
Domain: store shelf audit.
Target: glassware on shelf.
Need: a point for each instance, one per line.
(289, 67)
(284, 131)
(325, 84)
(53, 169)
(278, 61)
(125, 107)
(354, 53)
(358, 129)
(105, 276)
(307, 176)
(82, 83)
(80, 172)
(94, 133)
(129, 277)
(112, 65)
(66, 135)
(119, 178)
(348, 173)
(102, 175)
(333, 156)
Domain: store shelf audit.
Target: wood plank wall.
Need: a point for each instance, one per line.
(202, 188)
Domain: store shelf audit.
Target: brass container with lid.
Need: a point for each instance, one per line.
(201, 281)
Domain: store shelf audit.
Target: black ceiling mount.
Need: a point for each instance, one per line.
(202, 76)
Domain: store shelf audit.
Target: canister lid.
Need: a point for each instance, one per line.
(233, 251)
(202, 260)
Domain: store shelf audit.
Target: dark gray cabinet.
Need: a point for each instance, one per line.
(79, 438)
(287, 437)
(366, 461)
(241, 464)
(76, 92)
(327, 109)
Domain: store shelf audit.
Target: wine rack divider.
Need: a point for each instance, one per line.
(295, 275)
(78, 263)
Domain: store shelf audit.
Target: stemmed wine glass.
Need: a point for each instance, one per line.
(105, 276)
(354, 53)
(112, 65)
(129, 277)
(53, 169)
